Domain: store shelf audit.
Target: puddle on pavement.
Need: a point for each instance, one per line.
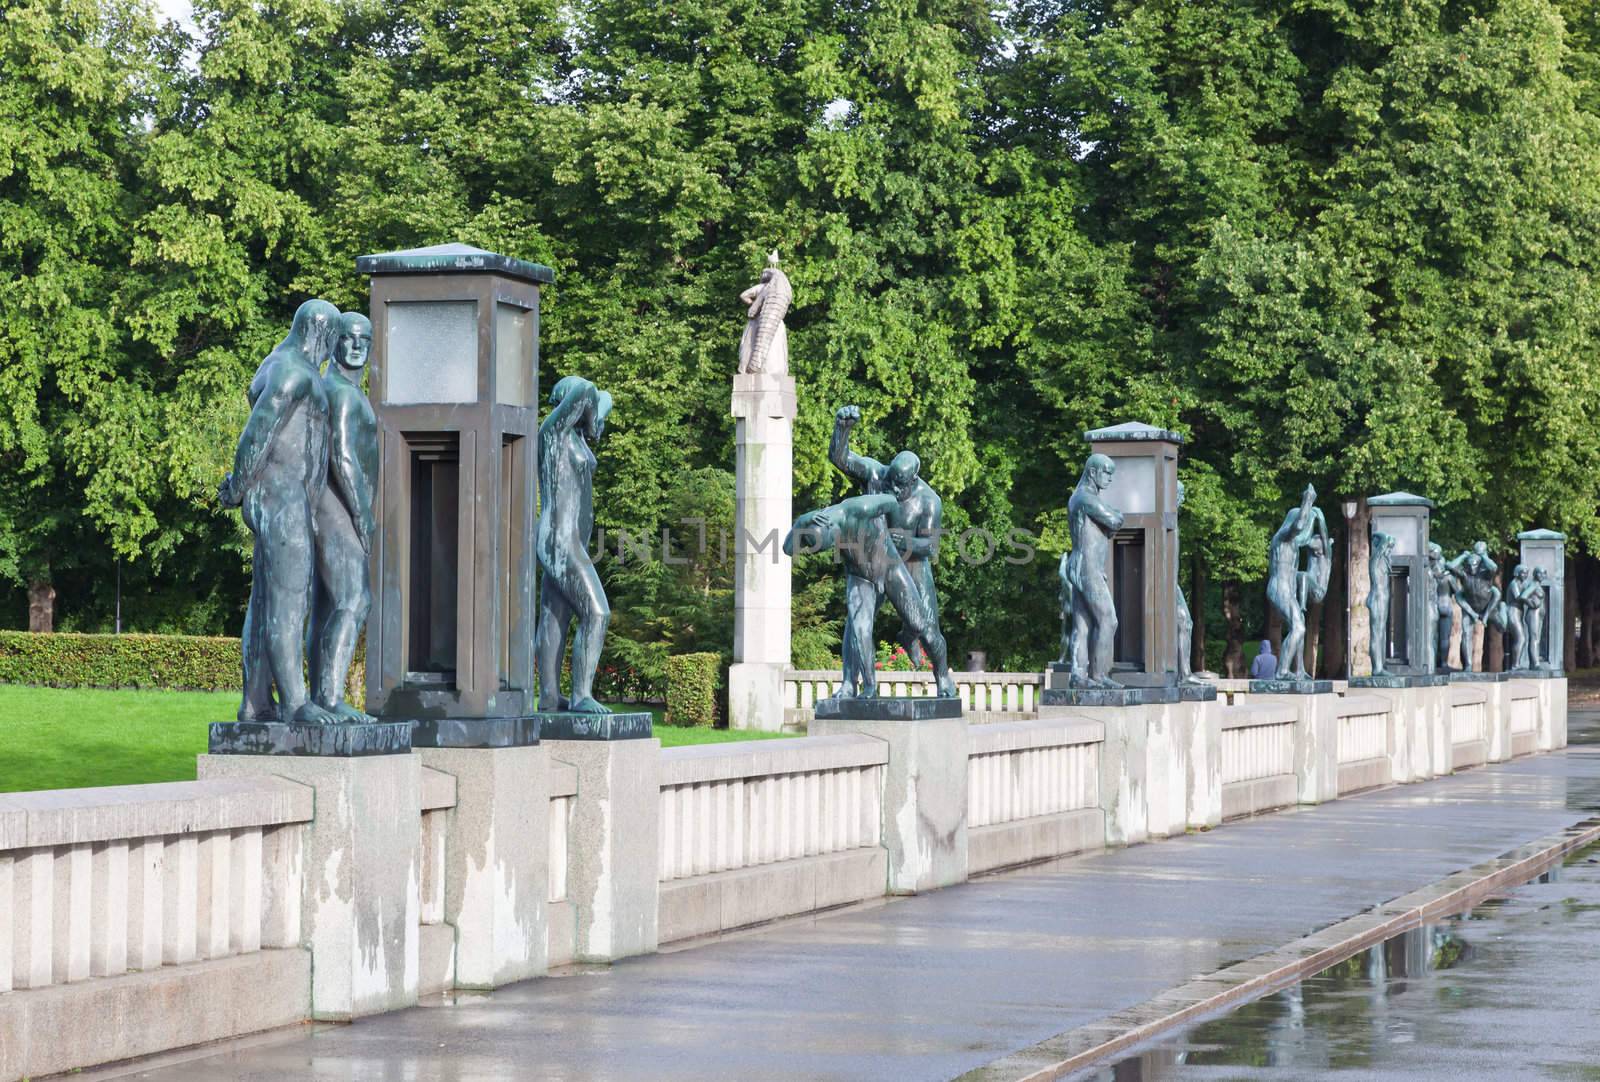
(1363, 1012)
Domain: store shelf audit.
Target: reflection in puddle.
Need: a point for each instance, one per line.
(1385, 1007)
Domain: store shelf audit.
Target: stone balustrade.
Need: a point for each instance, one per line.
(1469, 726)
(145, 918)
(1365, 737)
(751, 832)
(173, 909)
(1258, 758)
(1033, 792)
(985, 696)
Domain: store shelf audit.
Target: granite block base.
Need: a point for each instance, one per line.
(566, 725)
(1112, 696)
(1477, 677)
(1396, 680)
(344, 740)
(520, 732)
(1197, 693)
(1291, 687)
(888, 708)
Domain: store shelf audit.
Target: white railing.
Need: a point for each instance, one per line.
(1524, 712)
(563, 788)
(992, 695)
(737, 806)
(1257, 742)
(1020, 770)
(98, 882)
(1468, 717)
(1363, 728)
(438, 797)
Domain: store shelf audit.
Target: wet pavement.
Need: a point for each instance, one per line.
(1505, 991)
(932, 986)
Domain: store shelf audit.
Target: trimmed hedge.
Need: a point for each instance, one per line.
(169, 662)
(692, 689)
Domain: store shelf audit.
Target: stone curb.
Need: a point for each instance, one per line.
(1089, 1045)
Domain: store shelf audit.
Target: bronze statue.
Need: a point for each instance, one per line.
(569, 586)
(1093, 523)
(1445, 582)
(1476, 594)
(1379, 567)
(279, 471)
(765, 345)
(858, 529)
(344, 520)
(1186, 625)
(1533, 619)
(914, 522)
(1289, 588)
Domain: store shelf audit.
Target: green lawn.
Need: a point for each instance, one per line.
(54, 738)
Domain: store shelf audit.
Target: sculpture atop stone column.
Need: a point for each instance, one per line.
(278, 475)
(914, 522)
(858, 529)
(569, 586)
(1290, 588)
(1476, 594)
(765, 345)
(1378, 569)
(1093, 523)
(1445, 582)
(344, 523)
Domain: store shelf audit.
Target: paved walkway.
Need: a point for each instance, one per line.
(929, 987)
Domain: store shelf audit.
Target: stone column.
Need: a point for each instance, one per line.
(765, 407)
(497, 871)
(615, 854)
(924, 797)
(361, 860)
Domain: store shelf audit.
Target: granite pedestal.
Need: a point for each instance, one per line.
(566, 725)
(1395, 680)
(1291, 687)
(1126, 696)
(477, 733)
(337, 740)
(887, 708)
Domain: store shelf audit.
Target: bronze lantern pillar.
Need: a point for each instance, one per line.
(455, 387)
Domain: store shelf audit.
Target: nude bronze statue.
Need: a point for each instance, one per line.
(858, 530)
(914, 522)
(1445, 582)
(1093, 524)
(569, 586)
(1380, 564)
(279, 471)
(1185, 626)
(1533, 605)
(1289, 588)
(1514, 617)
(343, 516)
(1476, 594)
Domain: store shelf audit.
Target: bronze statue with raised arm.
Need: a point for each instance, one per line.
(279, 471)
(858, 530)
(569, 586)
(344, 520)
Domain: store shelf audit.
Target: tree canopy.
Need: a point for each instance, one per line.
(1347, 244)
